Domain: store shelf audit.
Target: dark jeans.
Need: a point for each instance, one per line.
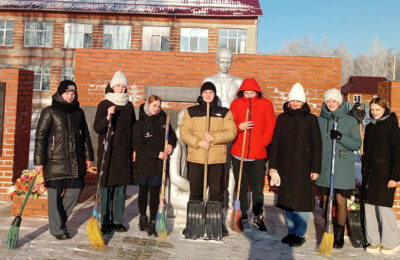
(253, 171)
(215, 177)
(154, 200)
(112, 201)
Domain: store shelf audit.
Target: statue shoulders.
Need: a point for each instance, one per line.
(213, 78)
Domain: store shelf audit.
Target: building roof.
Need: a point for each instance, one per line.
(164, 7)
(362, 85)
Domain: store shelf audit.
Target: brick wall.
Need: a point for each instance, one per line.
(390, 90)
(16, 126)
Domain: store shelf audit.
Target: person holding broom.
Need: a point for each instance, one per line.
(381, 173)
(117, 167)
(192, 132)
(63, 150)
(260, 127)
(148, 143)
(295, 163)
(348, 140)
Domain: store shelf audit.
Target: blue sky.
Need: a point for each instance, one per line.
(353, 22)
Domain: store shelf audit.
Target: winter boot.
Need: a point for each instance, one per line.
(297, 241)
(151, 231)
(258, 221)
(338, 236)
(288, 239)
(143, 223)
(225, 231)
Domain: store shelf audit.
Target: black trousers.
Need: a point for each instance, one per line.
(154, 200)
(253, 171)
(215, 176)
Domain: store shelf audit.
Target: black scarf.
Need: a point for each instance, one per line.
(60, 104)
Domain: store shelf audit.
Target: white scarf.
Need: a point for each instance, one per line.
(119, 99)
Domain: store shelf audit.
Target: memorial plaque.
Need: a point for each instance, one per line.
(2, 90)
(173, 94)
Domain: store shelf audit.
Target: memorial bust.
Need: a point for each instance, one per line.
(226, 84)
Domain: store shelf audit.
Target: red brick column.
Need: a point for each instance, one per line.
(16, 126)
(390, 90)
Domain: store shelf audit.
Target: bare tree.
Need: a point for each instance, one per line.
(347, 61)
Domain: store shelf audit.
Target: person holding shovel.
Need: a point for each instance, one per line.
(117, 168)
(381, 173)
(348, 140)
(260, 127)
(193, 133)
(64, 151)
(295, 163)
(148, 142)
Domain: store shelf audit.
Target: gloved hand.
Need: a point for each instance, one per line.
(336, 135)
(275, 178)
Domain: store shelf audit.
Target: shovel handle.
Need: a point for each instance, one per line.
(241, 158)
(206, 151)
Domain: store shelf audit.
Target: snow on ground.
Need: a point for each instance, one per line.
(35, 242)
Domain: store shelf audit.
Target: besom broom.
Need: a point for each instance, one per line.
(326, 245)
(236, 218)
(161, 222)
(92, 228)
(13, 233)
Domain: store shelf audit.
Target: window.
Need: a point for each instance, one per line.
(234, 39)
(117, 37)
(38, 34)
(77, 35)
(6, 33)
(41, 76)
(155, 38)
(68, 73)
(357, 98)
(194, 40)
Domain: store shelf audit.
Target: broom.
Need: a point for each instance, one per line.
(13, 233)
(326, 245)
(92, 228)
(161, 222)
(236, 218)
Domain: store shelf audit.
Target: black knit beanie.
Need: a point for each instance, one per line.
(65, 86)
(208, 86)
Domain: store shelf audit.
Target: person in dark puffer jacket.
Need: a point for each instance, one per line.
(148, 142)
(64, 151)
(118, 168)
(381, 172)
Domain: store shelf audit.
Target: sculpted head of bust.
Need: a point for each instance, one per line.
(224, 60)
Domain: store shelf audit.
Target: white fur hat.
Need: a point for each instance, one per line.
(297, 93)
(118, 78)
(334, 94)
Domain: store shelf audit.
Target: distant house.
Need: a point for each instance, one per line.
(42, 35)
(361, 89)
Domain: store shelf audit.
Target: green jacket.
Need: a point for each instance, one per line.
(350, 142)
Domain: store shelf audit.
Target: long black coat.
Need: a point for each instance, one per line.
(296, 152)
(148, 142)
(118, 168)
(62, 142)
(381, 161)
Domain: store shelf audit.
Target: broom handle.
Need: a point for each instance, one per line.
(360, 126)
(26, 196)
(106, 146)
(163, 182)
(332, 181)
(206, 161)
(241, 158)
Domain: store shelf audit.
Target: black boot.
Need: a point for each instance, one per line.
(258, 221)
(338, 236)
(143, 223)
(151, 231)
(225, 231)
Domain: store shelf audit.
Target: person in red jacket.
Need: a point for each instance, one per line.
(260, 128)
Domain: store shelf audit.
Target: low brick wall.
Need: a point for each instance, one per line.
(34, 207)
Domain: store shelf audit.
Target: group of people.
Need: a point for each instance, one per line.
(298, 143)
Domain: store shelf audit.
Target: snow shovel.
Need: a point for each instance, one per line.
(326, 245)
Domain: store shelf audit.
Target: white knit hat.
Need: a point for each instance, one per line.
(297, 93)
(118, 78)
(334, 94)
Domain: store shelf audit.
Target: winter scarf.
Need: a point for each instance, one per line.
(60, 104)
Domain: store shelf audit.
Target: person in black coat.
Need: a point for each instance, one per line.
(148, 142)
(118, 168)
(381, 172)
(64, 151)
(295, 163)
